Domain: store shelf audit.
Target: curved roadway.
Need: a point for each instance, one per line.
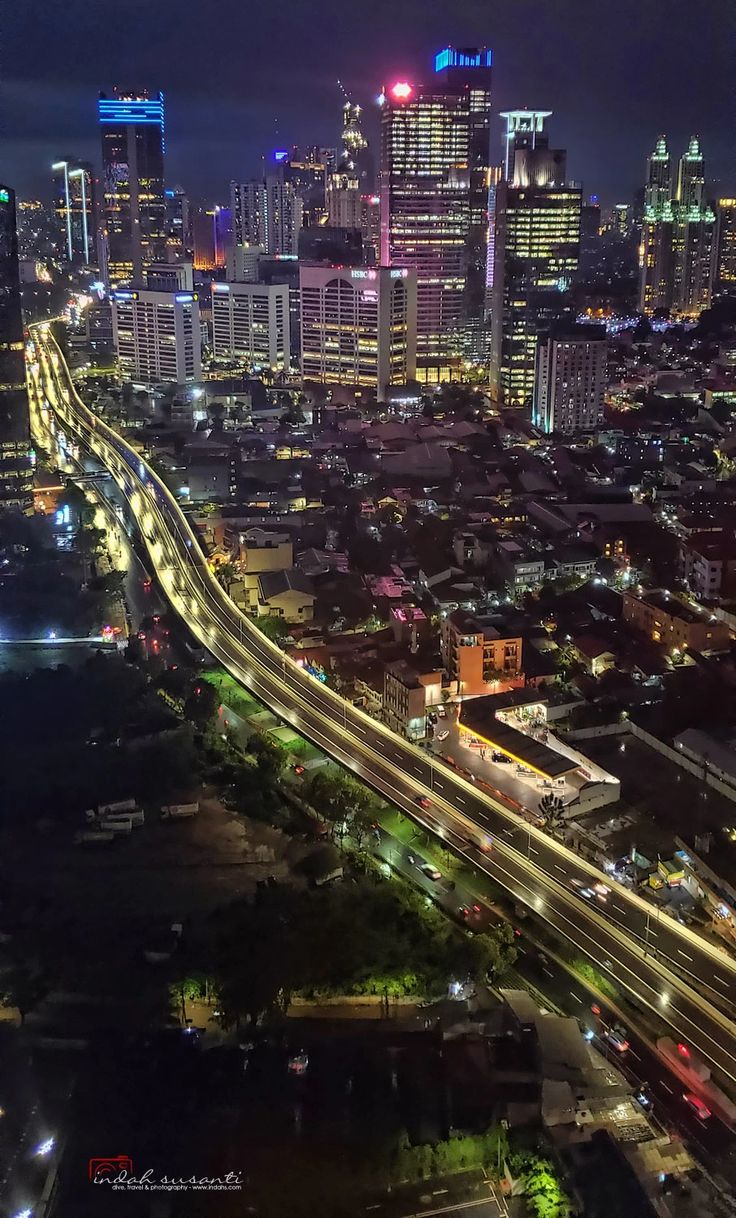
(688, 981)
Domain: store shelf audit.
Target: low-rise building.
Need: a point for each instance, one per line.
(257, 552)
(573, 561)
(477, 657)
(286, 594)
(407, 691)
(677, 625)
(593, 653)
(708, 564)
(521, 568)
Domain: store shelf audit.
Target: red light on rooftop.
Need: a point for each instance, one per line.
(401, 91)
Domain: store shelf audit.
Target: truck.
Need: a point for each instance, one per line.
(117, 824)
(122, 805)
(179, 811)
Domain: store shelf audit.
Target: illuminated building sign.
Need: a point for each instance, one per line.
(185, 297)
(281, 155)
(451, 57)
(220, 287)
(4, 196)
(125, 295)
(362, 274)
(398, 274)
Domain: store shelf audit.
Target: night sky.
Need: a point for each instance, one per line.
(244, 76)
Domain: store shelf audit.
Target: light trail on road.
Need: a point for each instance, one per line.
(687, 988)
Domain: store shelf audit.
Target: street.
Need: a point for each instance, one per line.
(658, 962)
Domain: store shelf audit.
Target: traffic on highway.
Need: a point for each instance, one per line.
(664, 966)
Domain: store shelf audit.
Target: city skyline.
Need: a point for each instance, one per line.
(613, 85)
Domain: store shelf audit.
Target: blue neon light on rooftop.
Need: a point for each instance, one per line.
(451, 57)
(132, 110)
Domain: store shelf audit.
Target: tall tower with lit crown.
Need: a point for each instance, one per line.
(434, 178)
(134, 229)
(678, 234)
(536, 251)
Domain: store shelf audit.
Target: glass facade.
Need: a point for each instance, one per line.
(537, 248)
(135, 221)
(74, 207)
(434, 183)
(16, 470)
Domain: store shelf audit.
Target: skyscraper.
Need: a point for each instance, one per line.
(178, 212)
(267, 213)
(678, 232)
(16, 473)
(355, 156)
(74, 207)
(536, 246)
(134, 208)
(725, 273)
(434, 177)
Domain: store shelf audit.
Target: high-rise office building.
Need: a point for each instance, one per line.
(223, 226)
(590, 240)
(203, 238)
(434, 178)
(251, 320)
(678, 234)
(179, 238)
(16, 471)
(536, 248)
(344, 200)
(157, 335)
(74, 207)
(621, 220)
(134, 227)
(725, 272)
(358, 325)
(570, 385)
(267, 213)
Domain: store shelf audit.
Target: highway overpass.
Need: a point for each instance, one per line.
(688, 981)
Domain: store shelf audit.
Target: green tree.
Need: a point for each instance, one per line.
(90, 542)
(201, 704)
(111, 584)
(274, 628)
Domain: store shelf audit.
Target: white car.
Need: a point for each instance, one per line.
(441, 735)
